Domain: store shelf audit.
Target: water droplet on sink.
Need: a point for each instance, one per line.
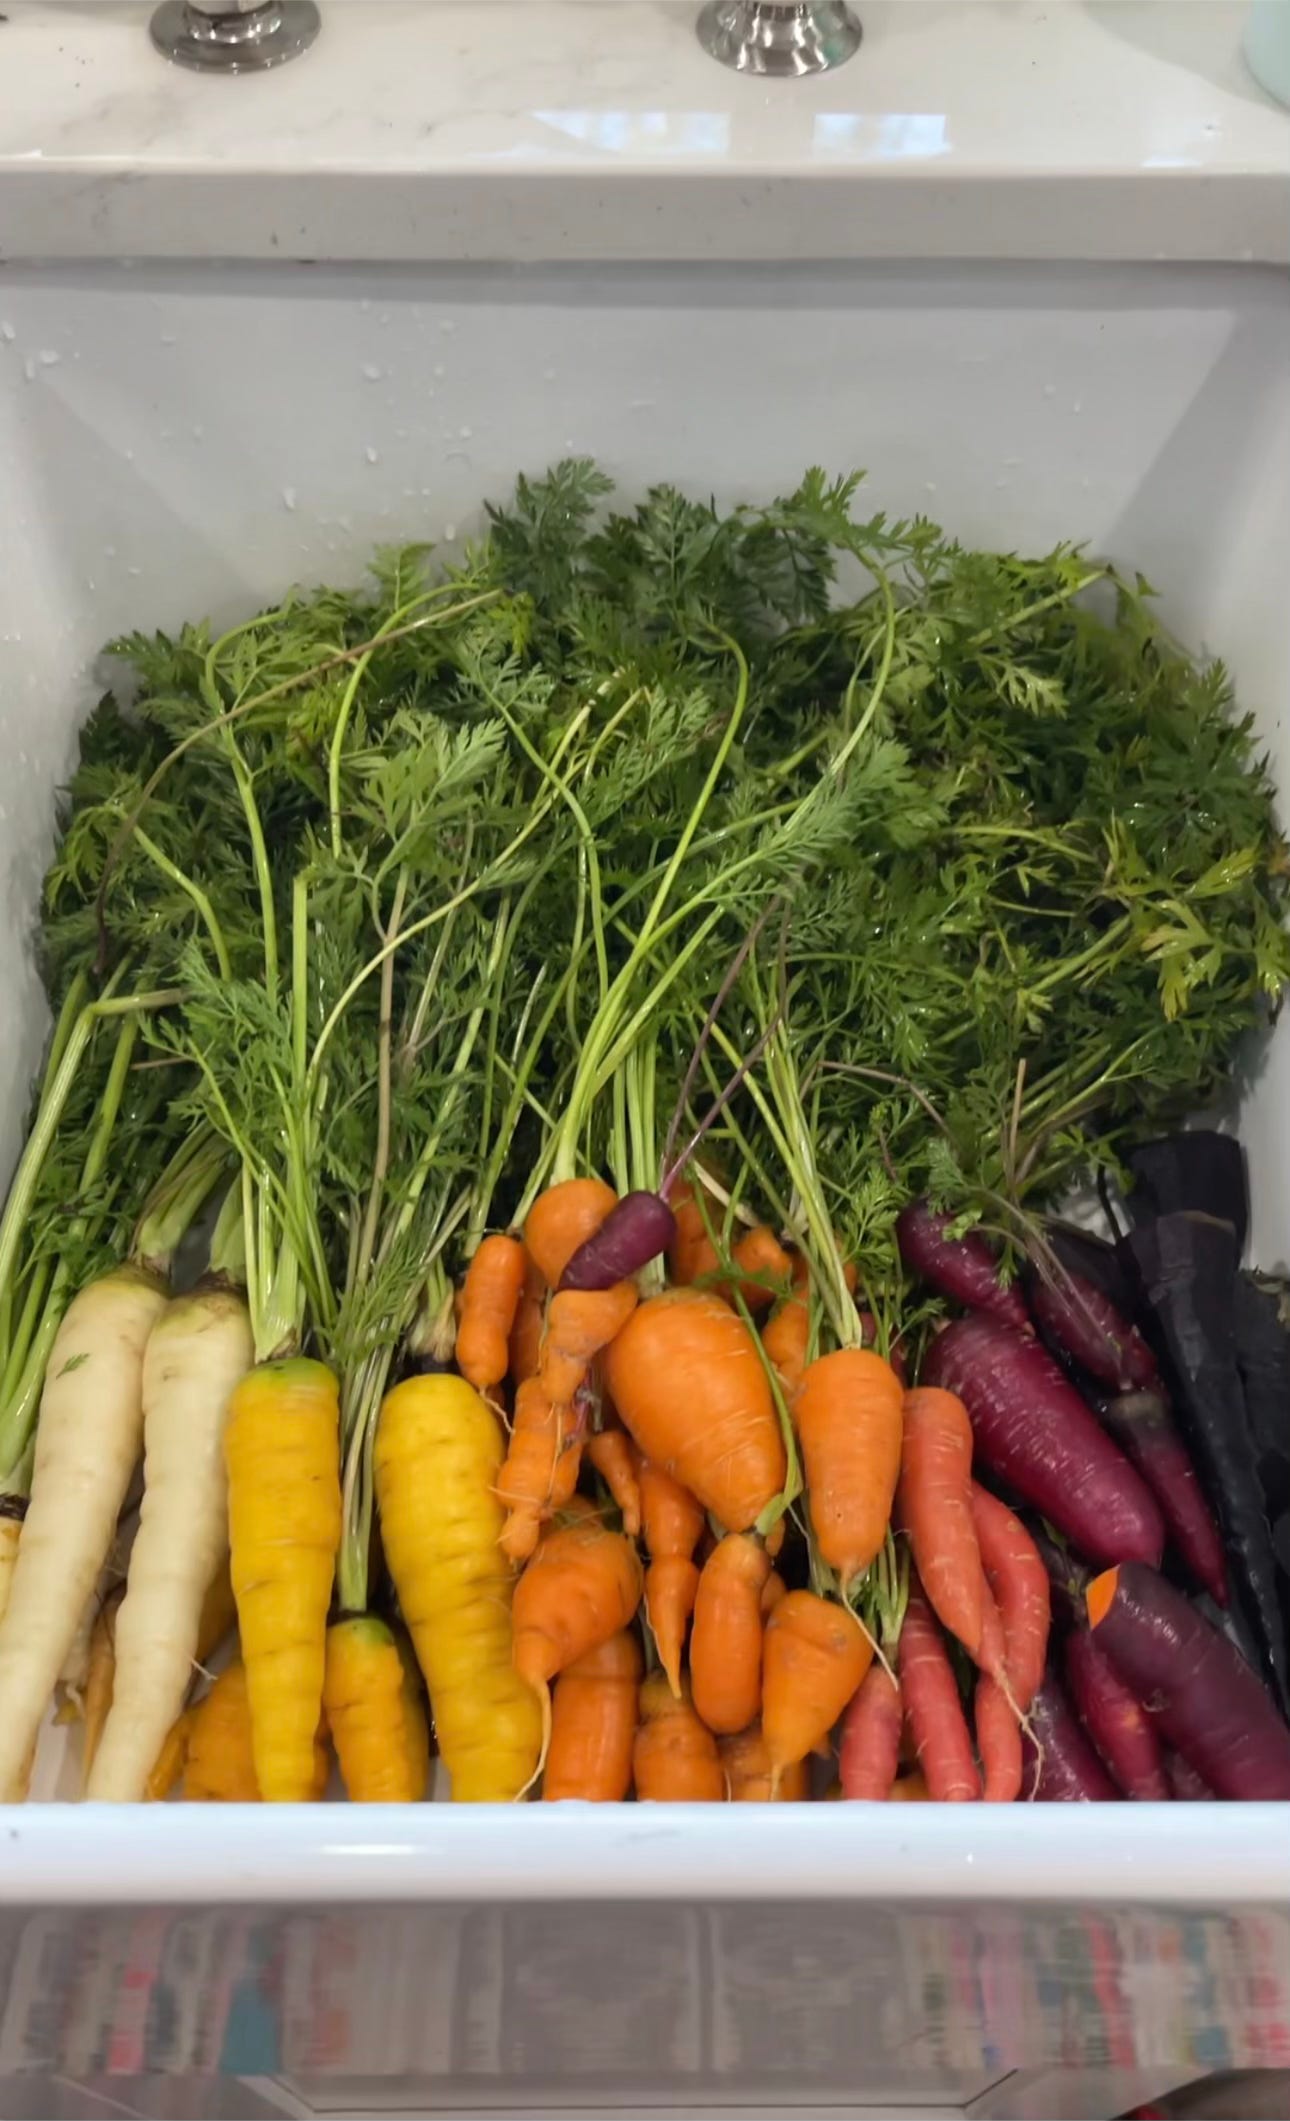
(1077, 405)
(450, 533)
(439, 369)
(1050, 390)
(466, 434)
(373, 455)
(7, 332)
(29, 369)
(289, 498)
(371, 373)
(447, 326)
(168, 338)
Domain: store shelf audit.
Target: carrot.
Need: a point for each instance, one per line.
(934, 1503)
(672, 1522)
(282, 1451)
(13, 1508)
(490, 1297)
(87, 1445)
(760, 1253)
(693, 1257)
(726, 1640)
(378, 1725)
(746, 1765)
(563, 1218)
(101, 1679)
(932, 1704)
(848, 1415)
(772, 1591)
(525, 1350)
(786, 1338)
(582, 1586)
(691, 1251)
(220, 1765)
(675, 1758)
(579, 1323)
(541, 1467)
(869, 1748)
(993, 1656)
(171, 1760)
(218, 1613)
(998, 1741)
(593, 1725)
(199, 1350)
(613, 1454)
(437, 1458)
(687, 1380)
(909, 1789)
(814, 1657)
(1016, 1576)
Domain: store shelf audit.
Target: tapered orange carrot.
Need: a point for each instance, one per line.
(746, 1763)
(813, 1660)
(934, 1709)
(563, 1218)
(869, 1748)
(693, 1257)
(490, 1297)
(786, 1335)
(579, 1323)
(687, 1379)
(614, 1456)
(1018, 1581)
(675, 1758)
(726, 1639)
(934, 1504)
(593, 1725)
(848, 1415)
(582, 1586)
(998, 1742)
(672, 1521)
(772, 1591)
(541, 1468)
(525, 1350)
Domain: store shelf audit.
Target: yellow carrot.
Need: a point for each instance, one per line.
(221, 1763)
(282, 1452)
(171, 1760)
(100, 1684)
(377, 1724)
(438, 1454)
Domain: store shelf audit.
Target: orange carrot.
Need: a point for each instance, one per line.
(748, 1772)
(675, 1759)
(772, 1591)
(869, 1747)
(593, 1725)
(687, 1379)
(582, 1585)
(693, 1257)
(848, 1415)
(998, 1741)
(1017, 1576)
(786, 1338)
(691, 1252)
(933, 1707)
(993, 1656)
(525, 1350)
(934, 1503)
(725, 1642)
(760, 1252)
(541, 1468)
(579, 1323)
(563, 1218)
(613, 1454)
(774, 1539)
(672, 1522)
(489, 1300)
(814, 1657)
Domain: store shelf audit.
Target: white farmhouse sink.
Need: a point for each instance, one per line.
(1027, 263)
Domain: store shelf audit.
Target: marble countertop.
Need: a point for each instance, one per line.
(598, 129)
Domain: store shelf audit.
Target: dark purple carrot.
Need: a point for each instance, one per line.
(1197, 1173)
(1185, 1785)
(1142, 1424)
(1060, 1764)
(963, 1268)
(1076, 1318)
(1034, 1431)
(634, 1232)
(1208, 1701)
(1120, 1728)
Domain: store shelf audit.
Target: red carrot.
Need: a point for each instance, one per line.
(869, 1749)
(964, 1268)
(934, 1503)
(1018, 1579)
(998, 1741)
(934, 1709)
(1124, 1734)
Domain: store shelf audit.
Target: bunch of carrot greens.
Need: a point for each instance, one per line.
(546, 981)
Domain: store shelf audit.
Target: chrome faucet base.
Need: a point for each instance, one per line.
(233, 39)
(770, 37)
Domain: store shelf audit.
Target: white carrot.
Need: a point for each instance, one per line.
(198, 1351)
(87, 1442)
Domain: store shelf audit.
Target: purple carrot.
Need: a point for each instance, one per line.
(1143, 1425)
(964, 1268)
(1073, 1314)
(1060, 1764)
(1208, 1701)
(1068, 1576)
(1034, 1431)
(1185, 1785)
(631, 1235)
(1120, 1728)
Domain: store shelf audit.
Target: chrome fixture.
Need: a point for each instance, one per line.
(234, 36)
(771, 37)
